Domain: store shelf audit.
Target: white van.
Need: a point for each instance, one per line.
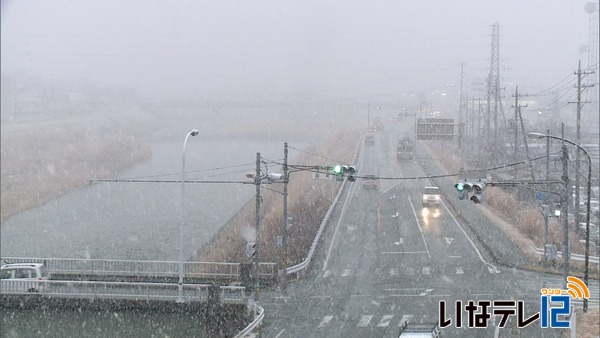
(23, 277)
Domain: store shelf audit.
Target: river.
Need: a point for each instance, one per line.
(140, 221)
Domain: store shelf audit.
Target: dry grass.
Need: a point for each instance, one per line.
(588, 324)
(44, 161)
(523, 223)
(308, 201)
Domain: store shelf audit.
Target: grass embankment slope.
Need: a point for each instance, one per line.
(523, 223)
(45, 160)
(308, 201)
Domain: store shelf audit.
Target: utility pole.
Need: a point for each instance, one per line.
(479, 150)
(565, 210)
(547, 154)
(518, 117)
(257, 180)
(460, 108)
(285, 213)
(579, 73)
(369, 115)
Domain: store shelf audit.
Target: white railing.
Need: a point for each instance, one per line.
(121, 290)
(136, 268)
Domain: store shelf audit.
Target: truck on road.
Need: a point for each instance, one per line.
(405, 150)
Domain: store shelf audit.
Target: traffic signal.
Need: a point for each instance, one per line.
(478, 189)
(557, 209)
(340, 170)
(462, 192)
(467, 187)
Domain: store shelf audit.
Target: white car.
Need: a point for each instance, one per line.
(23, 277)
(431, 197)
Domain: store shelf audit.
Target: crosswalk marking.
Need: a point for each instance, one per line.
(364, 320)
(325, 321)
(385, 321)
(411, 271)
(404, 319)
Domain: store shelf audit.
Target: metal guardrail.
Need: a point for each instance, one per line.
(121, 290)
(259, 315)
(300, 266)
(136, 268)
(575, 257)
(304, 264)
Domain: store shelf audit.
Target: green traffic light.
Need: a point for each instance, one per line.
(338, 170)
(459, 186)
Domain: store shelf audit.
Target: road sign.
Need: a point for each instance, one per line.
(435, 129)
(322, 176)
(539, 196)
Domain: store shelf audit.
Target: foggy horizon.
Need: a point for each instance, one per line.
(287, 50)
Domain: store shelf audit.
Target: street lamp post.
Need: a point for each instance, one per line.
(192, 132)
(588, 212)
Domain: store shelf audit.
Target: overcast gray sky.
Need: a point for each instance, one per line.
(287, 49)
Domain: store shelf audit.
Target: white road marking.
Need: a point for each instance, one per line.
(344, 207)
(327, 273)
(280, 333)
(325, 321)
(425, 292)
(459, 271)
(400, 242)
(404, 319)
(469, 238)
(419, 225)
(385, 321)
(281, 297)
(364, 320)
(426, 270)
(346, 272)
(404, 252)
(461, 228)
(493, 269)
(393, 271)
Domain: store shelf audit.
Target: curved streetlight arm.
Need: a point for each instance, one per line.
(588, 211)
(192, 132)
